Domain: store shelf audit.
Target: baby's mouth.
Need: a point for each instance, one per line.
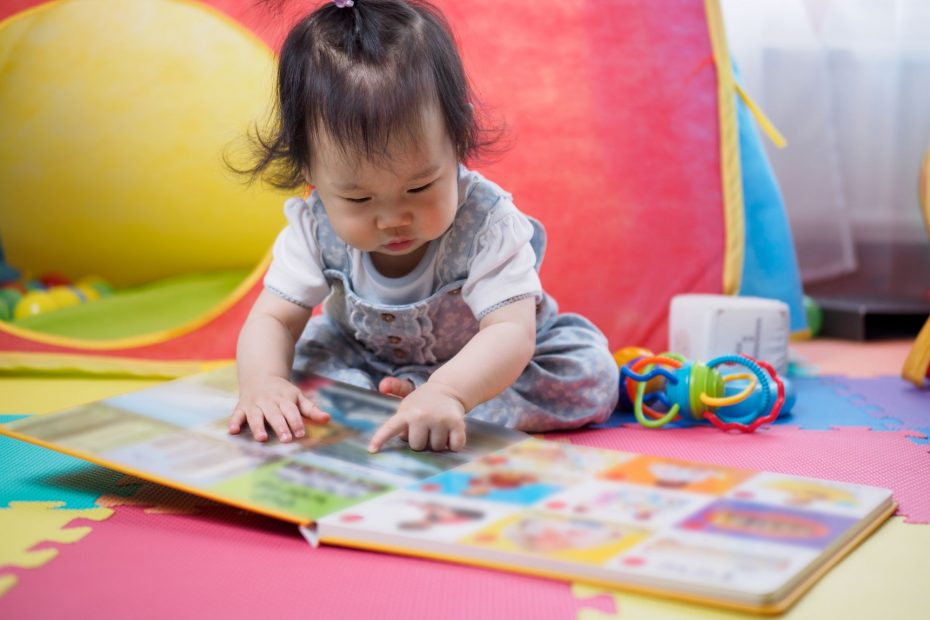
(398, 245)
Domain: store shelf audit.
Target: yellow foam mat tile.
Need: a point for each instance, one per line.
(6, 583)
(37, 395)
(35, 523)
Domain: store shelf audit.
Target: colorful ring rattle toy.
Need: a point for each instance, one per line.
(740, 401)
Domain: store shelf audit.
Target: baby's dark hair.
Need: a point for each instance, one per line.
(362, 75)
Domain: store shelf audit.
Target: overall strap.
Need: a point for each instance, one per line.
(333, 250)
(455, 252)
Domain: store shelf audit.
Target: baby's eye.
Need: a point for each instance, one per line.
(357, 200)
(422, 188)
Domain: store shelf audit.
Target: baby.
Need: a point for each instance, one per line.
(427, 270)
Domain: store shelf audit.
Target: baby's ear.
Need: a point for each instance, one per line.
(305, 172)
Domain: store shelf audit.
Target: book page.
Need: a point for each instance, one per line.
(622, 519)
(176, 434)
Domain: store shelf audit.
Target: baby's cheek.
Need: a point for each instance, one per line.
(359, 234)
(444, 215)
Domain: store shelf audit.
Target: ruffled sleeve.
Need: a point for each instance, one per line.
(296, 272)
(502, 269)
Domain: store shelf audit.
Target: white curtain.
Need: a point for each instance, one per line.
(848, 84)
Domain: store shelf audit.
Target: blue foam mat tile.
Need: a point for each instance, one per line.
(29, 473)
(823, 403)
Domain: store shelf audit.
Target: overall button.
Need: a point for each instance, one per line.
(400, 354)
(394, 339)
(387, 317)
(455, 291)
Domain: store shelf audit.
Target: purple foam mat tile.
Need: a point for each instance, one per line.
(823, 403)
(891, 397)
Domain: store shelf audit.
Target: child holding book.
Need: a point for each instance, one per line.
(427, 269)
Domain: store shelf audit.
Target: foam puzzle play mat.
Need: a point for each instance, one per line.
(749, 467)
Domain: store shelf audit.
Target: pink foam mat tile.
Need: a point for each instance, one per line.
(850, 454)
(153, 565)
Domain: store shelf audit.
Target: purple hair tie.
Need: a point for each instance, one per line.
(342, 4)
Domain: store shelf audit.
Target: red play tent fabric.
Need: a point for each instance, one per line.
(616, 145)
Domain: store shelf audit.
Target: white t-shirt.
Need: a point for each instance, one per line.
(503, 267)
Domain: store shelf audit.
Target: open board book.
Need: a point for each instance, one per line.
(731, 537)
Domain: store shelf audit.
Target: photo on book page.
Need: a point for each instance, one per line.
(734, 537)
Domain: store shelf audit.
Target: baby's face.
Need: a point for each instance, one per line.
(393, 208)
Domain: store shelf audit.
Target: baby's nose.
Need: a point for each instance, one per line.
(394, 218)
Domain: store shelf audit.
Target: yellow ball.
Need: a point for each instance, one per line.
(127, 108)
(64, 296)
(34, 303)
(627, 354)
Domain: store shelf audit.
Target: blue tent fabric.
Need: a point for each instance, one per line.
(770, 266)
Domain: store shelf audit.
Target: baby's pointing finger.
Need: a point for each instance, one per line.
(394, 426)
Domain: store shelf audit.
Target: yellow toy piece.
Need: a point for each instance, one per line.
(33, 303)
(34, 523)
(627, 354)
(64, 296)
(917, 365)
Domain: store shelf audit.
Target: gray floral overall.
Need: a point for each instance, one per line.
(571, 380)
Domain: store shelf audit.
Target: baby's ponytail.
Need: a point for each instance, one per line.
(361, 30)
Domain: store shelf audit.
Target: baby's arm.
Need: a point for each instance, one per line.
(434, 414)
(264, 356)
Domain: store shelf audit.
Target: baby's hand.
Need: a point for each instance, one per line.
(429, 415)
(279, 403)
